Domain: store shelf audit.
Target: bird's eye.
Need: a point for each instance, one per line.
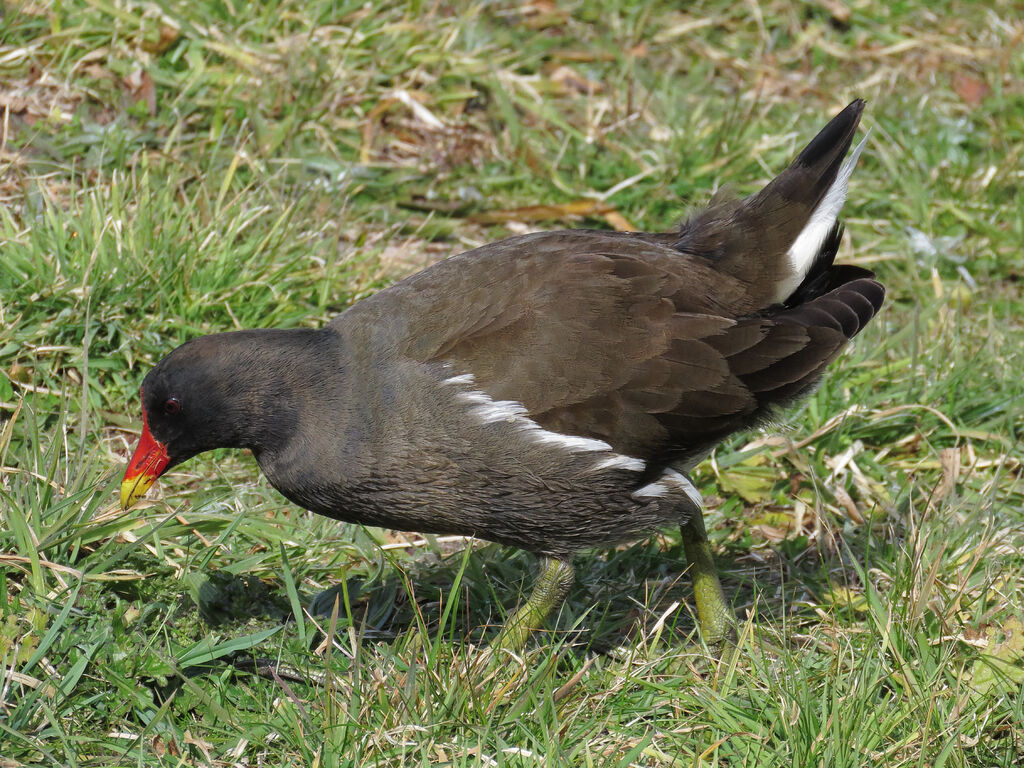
(171, 406)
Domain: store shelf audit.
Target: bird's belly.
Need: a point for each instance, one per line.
(454, 461)
(520, 510)
(549, 501)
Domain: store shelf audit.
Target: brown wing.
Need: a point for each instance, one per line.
(772, 358)
(610, 337)
(659, 344)
(549, 319)
(699, 378)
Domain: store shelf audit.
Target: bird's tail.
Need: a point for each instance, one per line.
(772, 239)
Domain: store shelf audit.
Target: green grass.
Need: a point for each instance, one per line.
(171, 169)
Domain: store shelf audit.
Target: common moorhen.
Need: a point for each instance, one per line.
(549, 391)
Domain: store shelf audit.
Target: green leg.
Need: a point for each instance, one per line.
(556, 576)
(717, 622)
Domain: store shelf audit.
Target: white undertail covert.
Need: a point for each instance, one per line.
(808, 243)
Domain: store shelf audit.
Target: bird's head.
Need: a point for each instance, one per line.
(222, 391)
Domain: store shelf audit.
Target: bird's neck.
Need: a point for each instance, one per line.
(270, 375)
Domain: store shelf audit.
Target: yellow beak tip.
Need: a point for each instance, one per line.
(133, 490)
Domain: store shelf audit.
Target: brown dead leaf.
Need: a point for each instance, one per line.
(15, 103)
(971, 88)
(573, 210)
(168, 36)
(846, 501)
(542, 14)
(139, 88)
(97, 72)
(572, 80)
(950, 461)
(39, 95)
(618, 222)
(771, 533)
(412, 123)
(201, 744)
(162, 747)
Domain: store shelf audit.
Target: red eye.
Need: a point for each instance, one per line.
(171, 406)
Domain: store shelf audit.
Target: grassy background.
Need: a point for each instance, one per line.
(169, 169)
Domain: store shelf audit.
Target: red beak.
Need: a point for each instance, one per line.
(147, 464)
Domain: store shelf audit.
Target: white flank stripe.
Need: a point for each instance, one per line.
(669, 482)
(808, 242)
(654, 490)
(682, 482)
(618, 461)
(490, 411)
(466, 378)
(567, 441)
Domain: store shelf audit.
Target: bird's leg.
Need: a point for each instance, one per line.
(717, 622)
(556, 576)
